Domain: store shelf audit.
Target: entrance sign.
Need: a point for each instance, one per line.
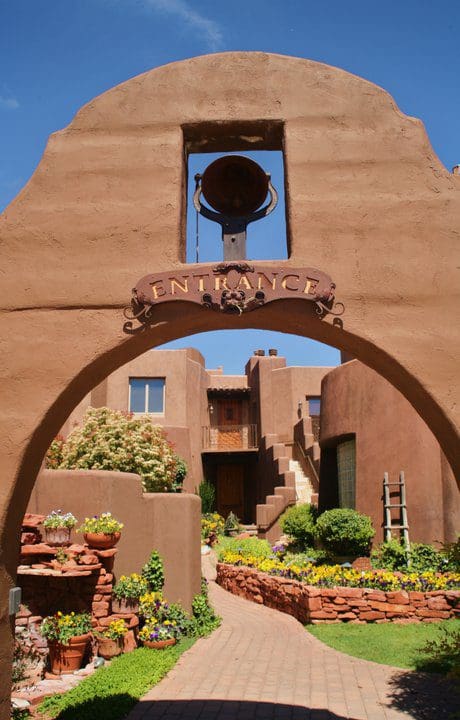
(234, 287)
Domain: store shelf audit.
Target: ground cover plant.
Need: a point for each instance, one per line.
(392, 555)
(115, 440)
(416, 646)
(251, 547)
(338, 576)
(112, 691)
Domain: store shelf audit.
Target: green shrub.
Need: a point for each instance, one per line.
(18, 714)
(389, 556)
(181, 474)
(153, 572)
(204, 619)
(392, 556)
(425, 557)
(344, 531)
(299, 523)
(248, 547)
(451, 555)
(207, 494)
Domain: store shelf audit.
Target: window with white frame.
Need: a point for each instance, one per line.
(147, 395)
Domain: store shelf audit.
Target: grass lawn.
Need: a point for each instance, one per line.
(111, 692)
(394, 644)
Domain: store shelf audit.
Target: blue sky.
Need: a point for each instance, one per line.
(55, 55)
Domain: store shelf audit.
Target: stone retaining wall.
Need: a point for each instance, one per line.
(342, 604)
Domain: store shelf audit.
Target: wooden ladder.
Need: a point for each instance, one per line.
(402, 524)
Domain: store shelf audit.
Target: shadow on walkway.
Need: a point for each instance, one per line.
(425, 696)
(105, 708)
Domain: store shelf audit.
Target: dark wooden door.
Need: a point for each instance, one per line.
(230, 490)
(230, 414)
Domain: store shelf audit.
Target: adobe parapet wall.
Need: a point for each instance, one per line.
(167, 522)
(314, 605)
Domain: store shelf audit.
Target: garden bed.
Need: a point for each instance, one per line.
(319, 604)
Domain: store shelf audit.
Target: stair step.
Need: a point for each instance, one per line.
(250, 529)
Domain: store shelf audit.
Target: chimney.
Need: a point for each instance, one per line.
(456, 170)
(259, 353)
(273, 352)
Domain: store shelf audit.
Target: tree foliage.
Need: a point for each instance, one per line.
(115, 440)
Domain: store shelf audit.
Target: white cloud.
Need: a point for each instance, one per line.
(10, 103)
(209, 30)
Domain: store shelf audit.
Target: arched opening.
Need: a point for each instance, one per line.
(284, 316)
(344, 140)
(164, 333)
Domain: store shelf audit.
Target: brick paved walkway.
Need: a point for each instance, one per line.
(262, 664)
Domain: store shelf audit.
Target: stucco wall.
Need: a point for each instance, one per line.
(368, 202)
(167, 522)
(185, 403)
(277, 390)
(289, 386)
(390, 436)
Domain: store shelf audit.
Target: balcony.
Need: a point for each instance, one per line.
(217, 438)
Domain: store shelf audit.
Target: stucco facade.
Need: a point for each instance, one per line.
(390, 437)
(266, 403)
(368, 202)
(255, 450)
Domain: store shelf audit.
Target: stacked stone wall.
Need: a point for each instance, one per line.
(340, 604)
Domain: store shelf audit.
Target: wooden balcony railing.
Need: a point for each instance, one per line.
(229, 437)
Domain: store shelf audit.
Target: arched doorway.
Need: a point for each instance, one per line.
(367, 202)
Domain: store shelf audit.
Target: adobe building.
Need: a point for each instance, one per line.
(251, 435)
(277, 435)
(370, 210)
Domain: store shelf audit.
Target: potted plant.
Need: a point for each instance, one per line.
(101, 531)
(127, 592)
(212, 525)
(151, 605)
(157, 635)
(110, 640)
(232, 525)
(58, 526)
(67, 636)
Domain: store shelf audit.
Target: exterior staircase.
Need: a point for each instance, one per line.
(293, 471)
(303, 487)
(249, 530)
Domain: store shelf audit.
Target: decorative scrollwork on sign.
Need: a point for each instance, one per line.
(233, 287)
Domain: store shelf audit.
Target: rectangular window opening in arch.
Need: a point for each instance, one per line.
(260, 141)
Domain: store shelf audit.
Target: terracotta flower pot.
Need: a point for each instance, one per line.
(68, 658)
(125, 606)
(102, 541)
(108, 648)
(58, 536)
(159, 644)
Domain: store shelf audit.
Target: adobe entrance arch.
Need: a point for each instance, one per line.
(368, 203)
